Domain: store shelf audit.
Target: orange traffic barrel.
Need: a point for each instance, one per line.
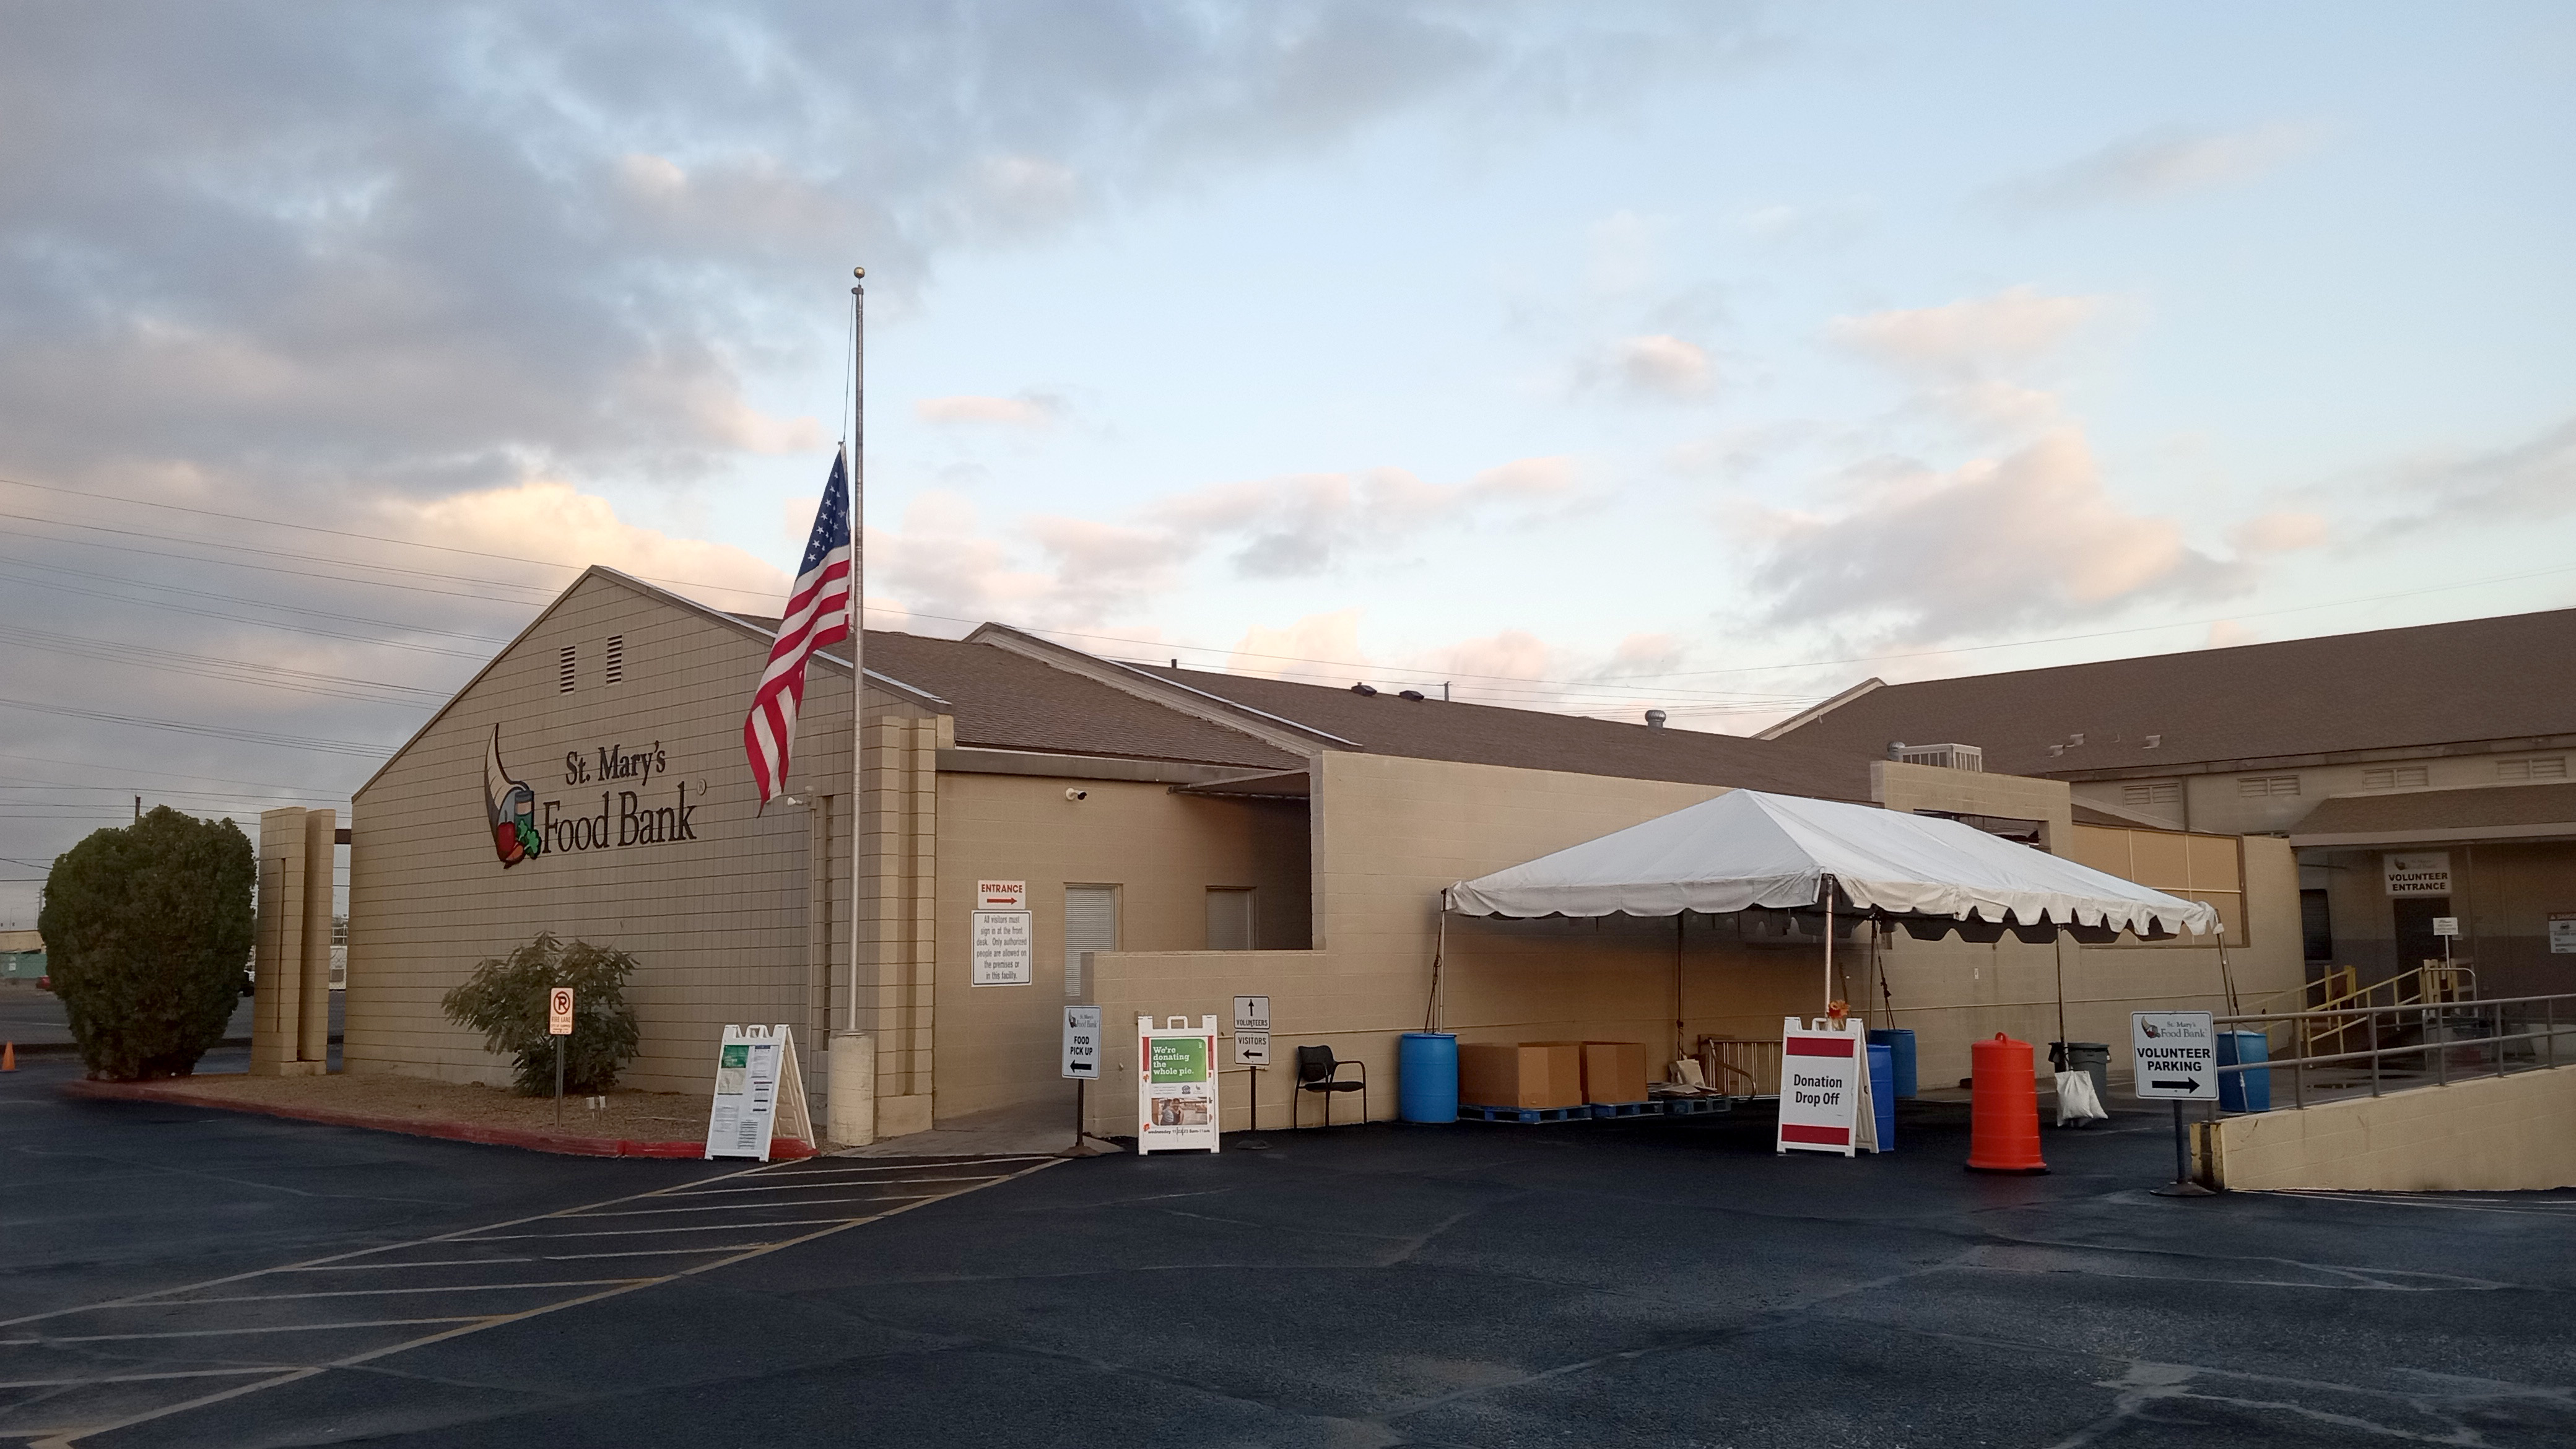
(2003, 1112)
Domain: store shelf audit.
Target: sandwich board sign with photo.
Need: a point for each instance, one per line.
(1082, 1043)
(1824, 1088)
(1252, 1031)
(757, 1084)
(1176, 1104)
(1004, 949)
(2177, 1055)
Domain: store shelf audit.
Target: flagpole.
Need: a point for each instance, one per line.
(858, 618)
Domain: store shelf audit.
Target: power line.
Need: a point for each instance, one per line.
(222, 732)
(5, 560)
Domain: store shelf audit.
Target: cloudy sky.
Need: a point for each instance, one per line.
(1589, 357)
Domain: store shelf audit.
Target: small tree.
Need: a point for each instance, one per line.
(146, 929)
(505, 999)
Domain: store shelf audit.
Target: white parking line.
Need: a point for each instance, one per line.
(652, 1232)
(221, 1373)
(230, 1332)
(752, 1207)
(378, 1292)
(836, 1181)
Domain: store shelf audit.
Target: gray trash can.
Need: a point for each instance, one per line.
(2092, 1058)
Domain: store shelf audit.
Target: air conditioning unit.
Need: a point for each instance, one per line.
(1948, 757)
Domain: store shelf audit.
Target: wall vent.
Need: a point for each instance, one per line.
(2545, 767)
(1948, 757)
(613, 669)
(2253, 787)
(2395, 777)
(2152, 792)
(564, 670)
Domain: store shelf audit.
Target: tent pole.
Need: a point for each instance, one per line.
(1680, 920)
(1829, 945)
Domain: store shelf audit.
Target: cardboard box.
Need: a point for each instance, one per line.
(1526, 1074)
(1613, 1071)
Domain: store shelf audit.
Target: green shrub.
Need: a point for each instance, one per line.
(147, 929)
(505, 999)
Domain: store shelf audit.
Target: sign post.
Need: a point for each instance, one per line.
(2177, 1062)
(1176, 1085)
(1081, 1063)
(559, 1026)
(1252, 1053)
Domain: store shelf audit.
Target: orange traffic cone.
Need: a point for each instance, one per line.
(8, 1056)
(2003, 1111)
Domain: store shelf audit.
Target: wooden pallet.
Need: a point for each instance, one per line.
(1468, 1113)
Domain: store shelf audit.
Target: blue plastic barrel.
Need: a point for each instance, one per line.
(2244, 1091)
(1426, 1076)
(1882, 1092)
(1899, 1040)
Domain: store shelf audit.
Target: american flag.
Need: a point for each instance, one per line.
(818, 615)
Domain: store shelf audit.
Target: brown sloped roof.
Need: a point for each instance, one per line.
(1432, 729)
(2480, 679)
(1008, 701)
(2476, 810)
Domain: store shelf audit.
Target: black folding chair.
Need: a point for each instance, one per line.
(1317, 1071)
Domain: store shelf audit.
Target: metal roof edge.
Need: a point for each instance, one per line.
(1152, 688)
(1815, 712)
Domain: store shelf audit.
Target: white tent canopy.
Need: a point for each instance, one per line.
(1746, 849)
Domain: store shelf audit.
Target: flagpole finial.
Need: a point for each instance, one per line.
(859, 272)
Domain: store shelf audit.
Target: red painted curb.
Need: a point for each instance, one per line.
(563, 1144)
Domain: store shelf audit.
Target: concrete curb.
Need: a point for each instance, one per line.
(564, 1144)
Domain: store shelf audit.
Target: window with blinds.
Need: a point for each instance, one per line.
(1090, 924)
(2545, 767)
(2254, 786)
(564, 670)
(2395, 777)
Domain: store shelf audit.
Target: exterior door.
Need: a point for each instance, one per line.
(2416, 943)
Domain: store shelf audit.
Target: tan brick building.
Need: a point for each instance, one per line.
(1183, 836)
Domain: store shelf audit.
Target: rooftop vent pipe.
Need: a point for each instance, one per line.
(1410, 694)
(1655, 719)
(1896, 749)
(1365, 691)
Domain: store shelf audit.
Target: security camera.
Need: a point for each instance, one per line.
(1077, 794)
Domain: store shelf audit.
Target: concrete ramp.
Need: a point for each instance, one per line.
(2486, 1134)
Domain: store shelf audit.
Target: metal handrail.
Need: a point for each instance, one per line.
(2433, 1013)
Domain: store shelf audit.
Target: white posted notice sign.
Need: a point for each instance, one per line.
(755, 1076)
(1004, 949)
(1082, 1043)
(1824, 1088)
(1176, 1082)
(2177, 1055)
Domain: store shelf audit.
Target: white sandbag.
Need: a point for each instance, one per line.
(2076, 1099)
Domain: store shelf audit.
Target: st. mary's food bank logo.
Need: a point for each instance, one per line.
(524, 827)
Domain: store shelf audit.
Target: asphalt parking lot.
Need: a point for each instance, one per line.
(1612, 1284)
